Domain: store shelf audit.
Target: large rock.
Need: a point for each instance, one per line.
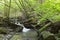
(48, 36)
(30, 35)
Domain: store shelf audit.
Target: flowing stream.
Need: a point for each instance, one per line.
(26, 34)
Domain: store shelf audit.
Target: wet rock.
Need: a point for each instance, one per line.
(30, 35)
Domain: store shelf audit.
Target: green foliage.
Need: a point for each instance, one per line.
(33, 9)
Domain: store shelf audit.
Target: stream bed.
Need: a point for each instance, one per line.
(30, 35)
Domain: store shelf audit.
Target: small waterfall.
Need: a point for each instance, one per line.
(24, 29)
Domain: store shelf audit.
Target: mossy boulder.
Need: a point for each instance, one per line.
(3, 30)
(48, 36)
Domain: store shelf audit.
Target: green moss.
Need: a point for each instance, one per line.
(3, 30)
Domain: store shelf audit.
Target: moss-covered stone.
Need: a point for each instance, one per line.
(4, 30)
(48, 36)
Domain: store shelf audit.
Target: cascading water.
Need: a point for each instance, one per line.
(27, 34)
(24, 29)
